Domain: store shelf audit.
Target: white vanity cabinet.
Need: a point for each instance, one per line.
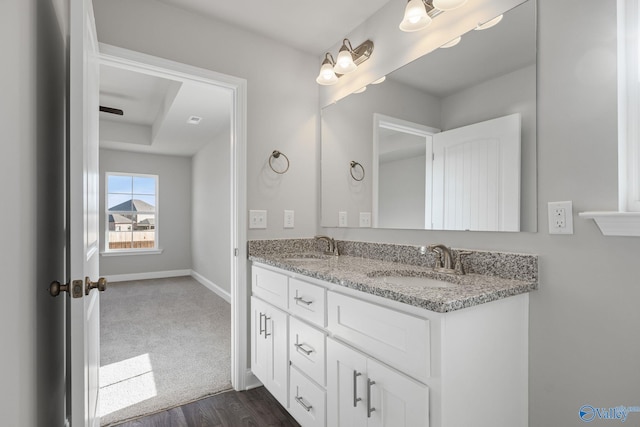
(346, 358)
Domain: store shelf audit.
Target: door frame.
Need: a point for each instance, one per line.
(241, 377)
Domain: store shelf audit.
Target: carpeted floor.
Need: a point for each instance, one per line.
(164, 342)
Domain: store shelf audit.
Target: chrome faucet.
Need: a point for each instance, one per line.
(331, 243)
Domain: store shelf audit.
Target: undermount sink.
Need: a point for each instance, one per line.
(411, 278)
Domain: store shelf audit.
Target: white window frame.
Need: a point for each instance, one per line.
(129, 251)
(626, 220)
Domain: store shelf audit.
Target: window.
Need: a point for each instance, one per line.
(132, 212)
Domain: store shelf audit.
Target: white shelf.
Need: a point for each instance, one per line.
(614, 223)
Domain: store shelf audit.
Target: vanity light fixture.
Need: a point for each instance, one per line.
(448, 4)
(490, 23)
(347, 61)
(416, 15)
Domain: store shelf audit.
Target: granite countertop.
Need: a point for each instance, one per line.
(366, 275)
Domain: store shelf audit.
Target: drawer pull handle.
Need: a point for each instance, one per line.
(265, 326)
(356, 399)
(302, 300)
(261, 330)
(304, 405)
(305, 351)
(370, 409)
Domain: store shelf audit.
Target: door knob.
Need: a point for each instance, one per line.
(100, 285)
(75, 289)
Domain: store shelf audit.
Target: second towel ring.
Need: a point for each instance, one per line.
(275, 155)
(354, 165)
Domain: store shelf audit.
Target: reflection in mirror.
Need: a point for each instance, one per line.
(407, 129)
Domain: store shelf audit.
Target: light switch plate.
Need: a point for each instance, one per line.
(288, 219)
(342, 219)
(365, 219)
(257, 219)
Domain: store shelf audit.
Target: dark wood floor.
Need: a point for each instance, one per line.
(252, 408)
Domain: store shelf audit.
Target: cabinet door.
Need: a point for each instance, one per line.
(260, 345)
(269, 355)
(346, 386)
(396, 400)
(277, 331)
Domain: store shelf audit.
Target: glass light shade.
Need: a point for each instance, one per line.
(344, 62)
(489, 23)
(451, 43)
(327, 76)
(415, 17)
(448, 4)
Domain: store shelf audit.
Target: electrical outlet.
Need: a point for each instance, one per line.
(342, 219)
(365, 219)
(560, 218)
(288, 219)
(257, 219)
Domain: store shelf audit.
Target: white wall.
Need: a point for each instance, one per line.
(584, 316)
(174, 211)
(210, 231)
(33, 38)
(281, 90)
(401, 193)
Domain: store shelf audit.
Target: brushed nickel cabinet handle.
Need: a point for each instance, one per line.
(265, 326)
(370, 409)
(300, 299)
(305, 351)
(261, 330)
(356, 399)
(304, 405)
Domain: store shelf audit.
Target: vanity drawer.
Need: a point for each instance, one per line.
(307, 349)
(398, 339)
(270, 286)
(307, 301)
(307, 401)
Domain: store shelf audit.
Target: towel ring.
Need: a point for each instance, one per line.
(275, 155)
(354, 165)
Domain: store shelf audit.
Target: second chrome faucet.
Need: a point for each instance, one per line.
(445, 262)
(332, 248)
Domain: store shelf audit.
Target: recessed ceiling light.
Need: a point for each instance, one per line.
(194, 120)
(362, 89)
(451, 43)
(380, 80)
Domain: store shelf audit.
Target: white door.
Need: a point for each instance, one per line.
(476, 176)
(84, 346)
(277, 332)
(259, 344)
(396, 400)
(346, 386)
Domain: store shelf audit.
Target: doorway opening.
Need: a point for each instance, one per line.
(184, 127)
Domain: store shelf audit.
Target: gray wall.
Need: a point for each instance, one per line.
(401, 193)
(282, 97)
(174, 206)
(585, 316)
(210, 231)
(33, 85)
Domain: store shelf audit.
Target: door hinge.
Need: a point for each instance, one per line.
(235, 252)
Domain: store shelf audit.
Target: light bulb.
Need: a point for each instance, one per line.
(415, 17)
(344, 61)
(448, 4)
(327, 76)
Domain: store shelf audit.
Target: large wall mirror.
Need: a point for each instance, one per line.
(446, 142)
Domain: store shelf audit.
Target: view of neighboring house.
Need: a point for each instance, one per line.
(132, 225)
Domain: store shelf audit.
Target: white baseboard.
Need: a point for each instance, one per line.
(151, 275)
(225, 295)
